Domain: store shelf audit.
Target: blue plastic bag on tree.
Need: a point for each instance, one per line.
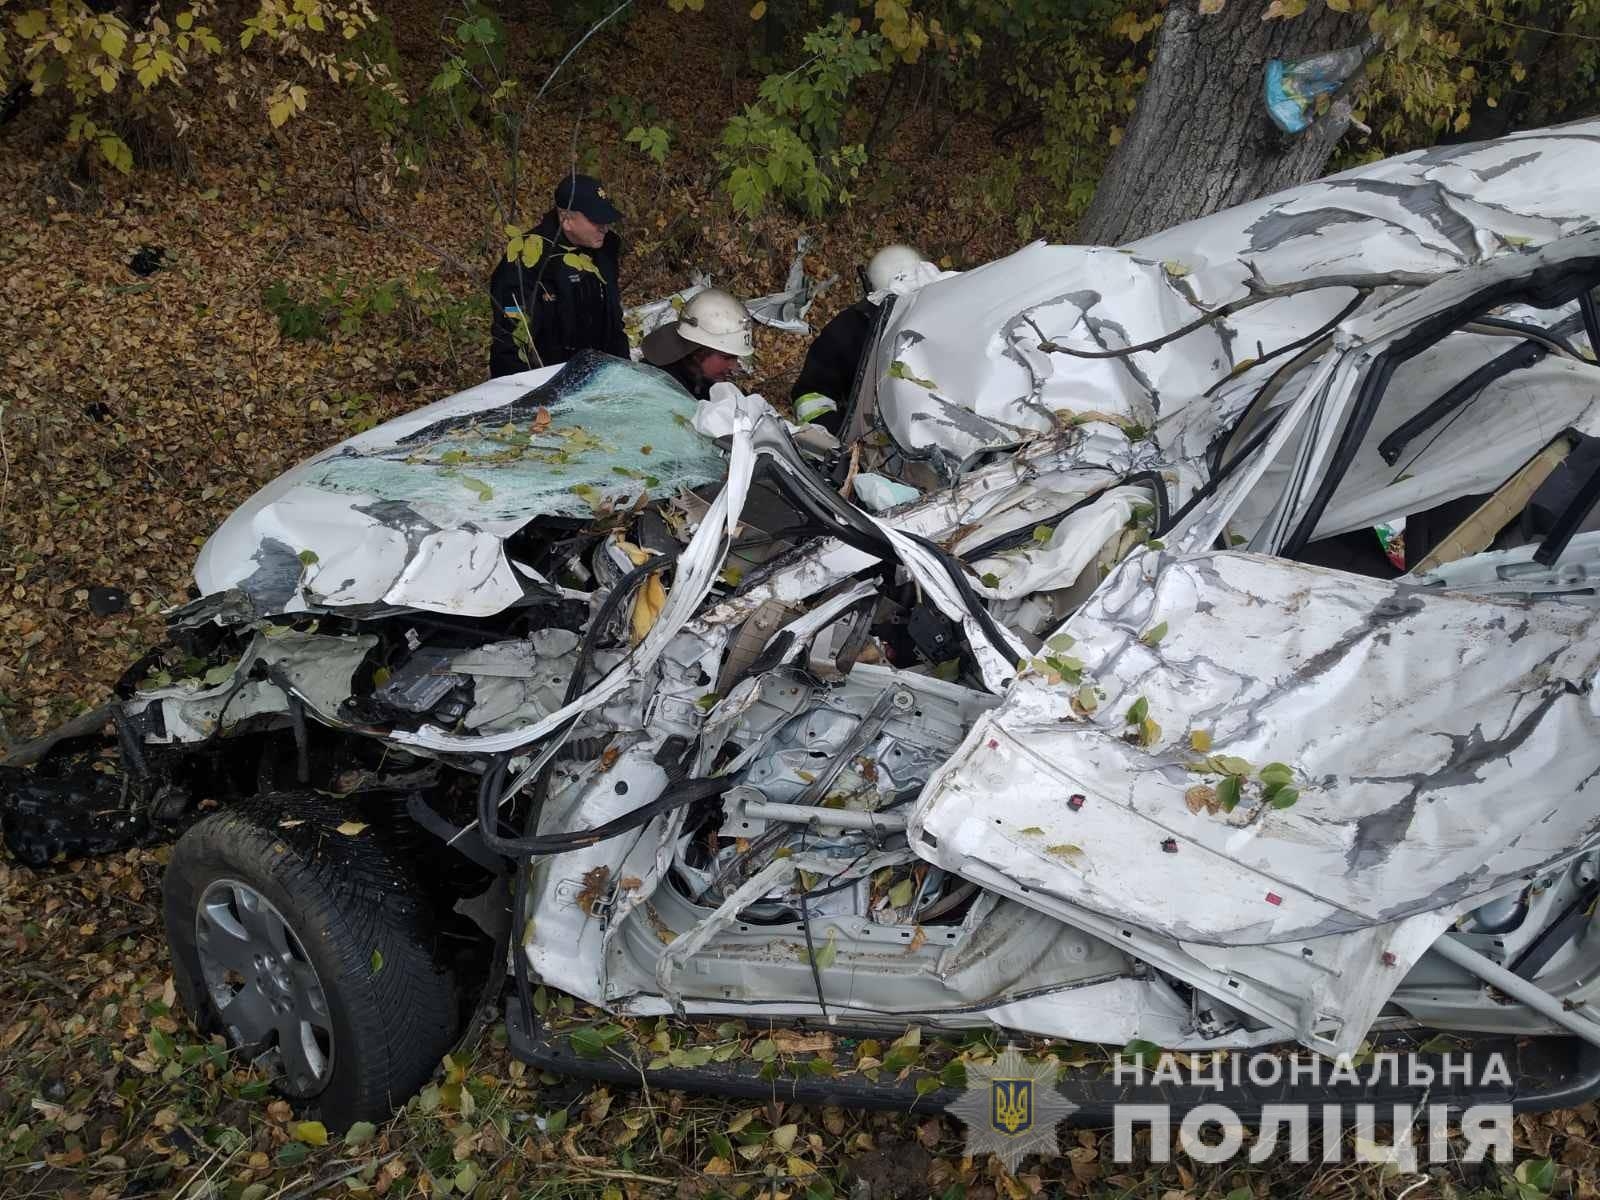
(1292, 88)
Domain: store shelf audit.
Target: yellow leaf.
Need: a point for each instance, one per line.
(799, 1167)
(278, 113)
(186, 20)
(1212, 7)
(350, 829)
(113, 41)
(758, 10)
(116, 152)
(1200, 740)
(312, 1133)
(31, 23)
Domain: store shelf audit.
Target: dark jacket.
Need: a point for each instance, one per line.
(568, 309)
(830, 366)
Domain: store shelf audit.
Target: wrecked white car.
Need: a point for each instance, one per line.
(1228, 686)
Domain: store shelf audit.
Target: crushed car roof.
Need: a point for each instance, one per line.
(981, 361)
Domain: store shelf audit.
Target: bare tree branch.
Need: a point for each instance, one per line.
(1260, 291)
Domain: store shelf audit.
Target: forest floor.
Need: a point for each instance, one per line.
(136, 411)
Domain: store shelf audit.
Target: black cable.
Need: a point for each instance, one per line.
(493, 777)
(811, 946)
(608, 607)
(683, 794)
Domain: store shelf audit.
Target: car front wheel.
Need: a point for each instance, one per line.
(303, 937)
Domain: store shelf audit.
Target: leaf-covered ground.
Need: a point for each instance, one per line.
(137, 410)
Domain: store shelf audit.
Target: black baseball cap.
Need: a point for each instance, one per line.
(583, 193)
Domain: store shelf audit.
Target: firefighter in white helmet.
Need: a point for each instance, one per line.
(823, 387)
(891, 265)
(704, 345)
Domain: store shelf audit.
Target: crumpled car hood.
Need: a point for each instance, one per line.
(970, 363)
(414, 514)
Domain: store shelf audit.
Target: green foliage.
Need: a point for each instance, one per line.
(110, 62)
(652, 142)
(787, 145)
(1446, 67)
(342, 304)
(415, 125)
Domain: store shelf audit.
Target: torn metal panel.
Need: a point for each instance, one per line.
(969, 363)
(783, 310)
(1432, 740)
(316, 669)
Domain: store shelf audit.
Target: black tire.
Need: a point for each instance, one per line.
(353, 906)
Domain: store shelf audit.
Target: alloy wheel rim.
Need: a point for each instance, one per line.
(263, 986)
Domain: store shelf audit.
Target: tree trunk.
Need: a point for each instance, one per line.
(1200, 138)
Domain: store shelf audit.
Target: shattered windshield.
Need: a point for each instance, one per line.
(596, 434)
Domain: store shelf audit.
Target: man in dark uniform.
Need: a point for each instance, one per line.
(569, 299)
(823, 387)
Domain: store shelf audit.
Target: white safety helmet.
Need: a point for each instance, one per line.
(891, 263)
(711, 318)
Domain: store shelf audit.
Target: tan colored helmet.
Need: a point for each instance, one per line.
(891, 263)
(711, 318)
